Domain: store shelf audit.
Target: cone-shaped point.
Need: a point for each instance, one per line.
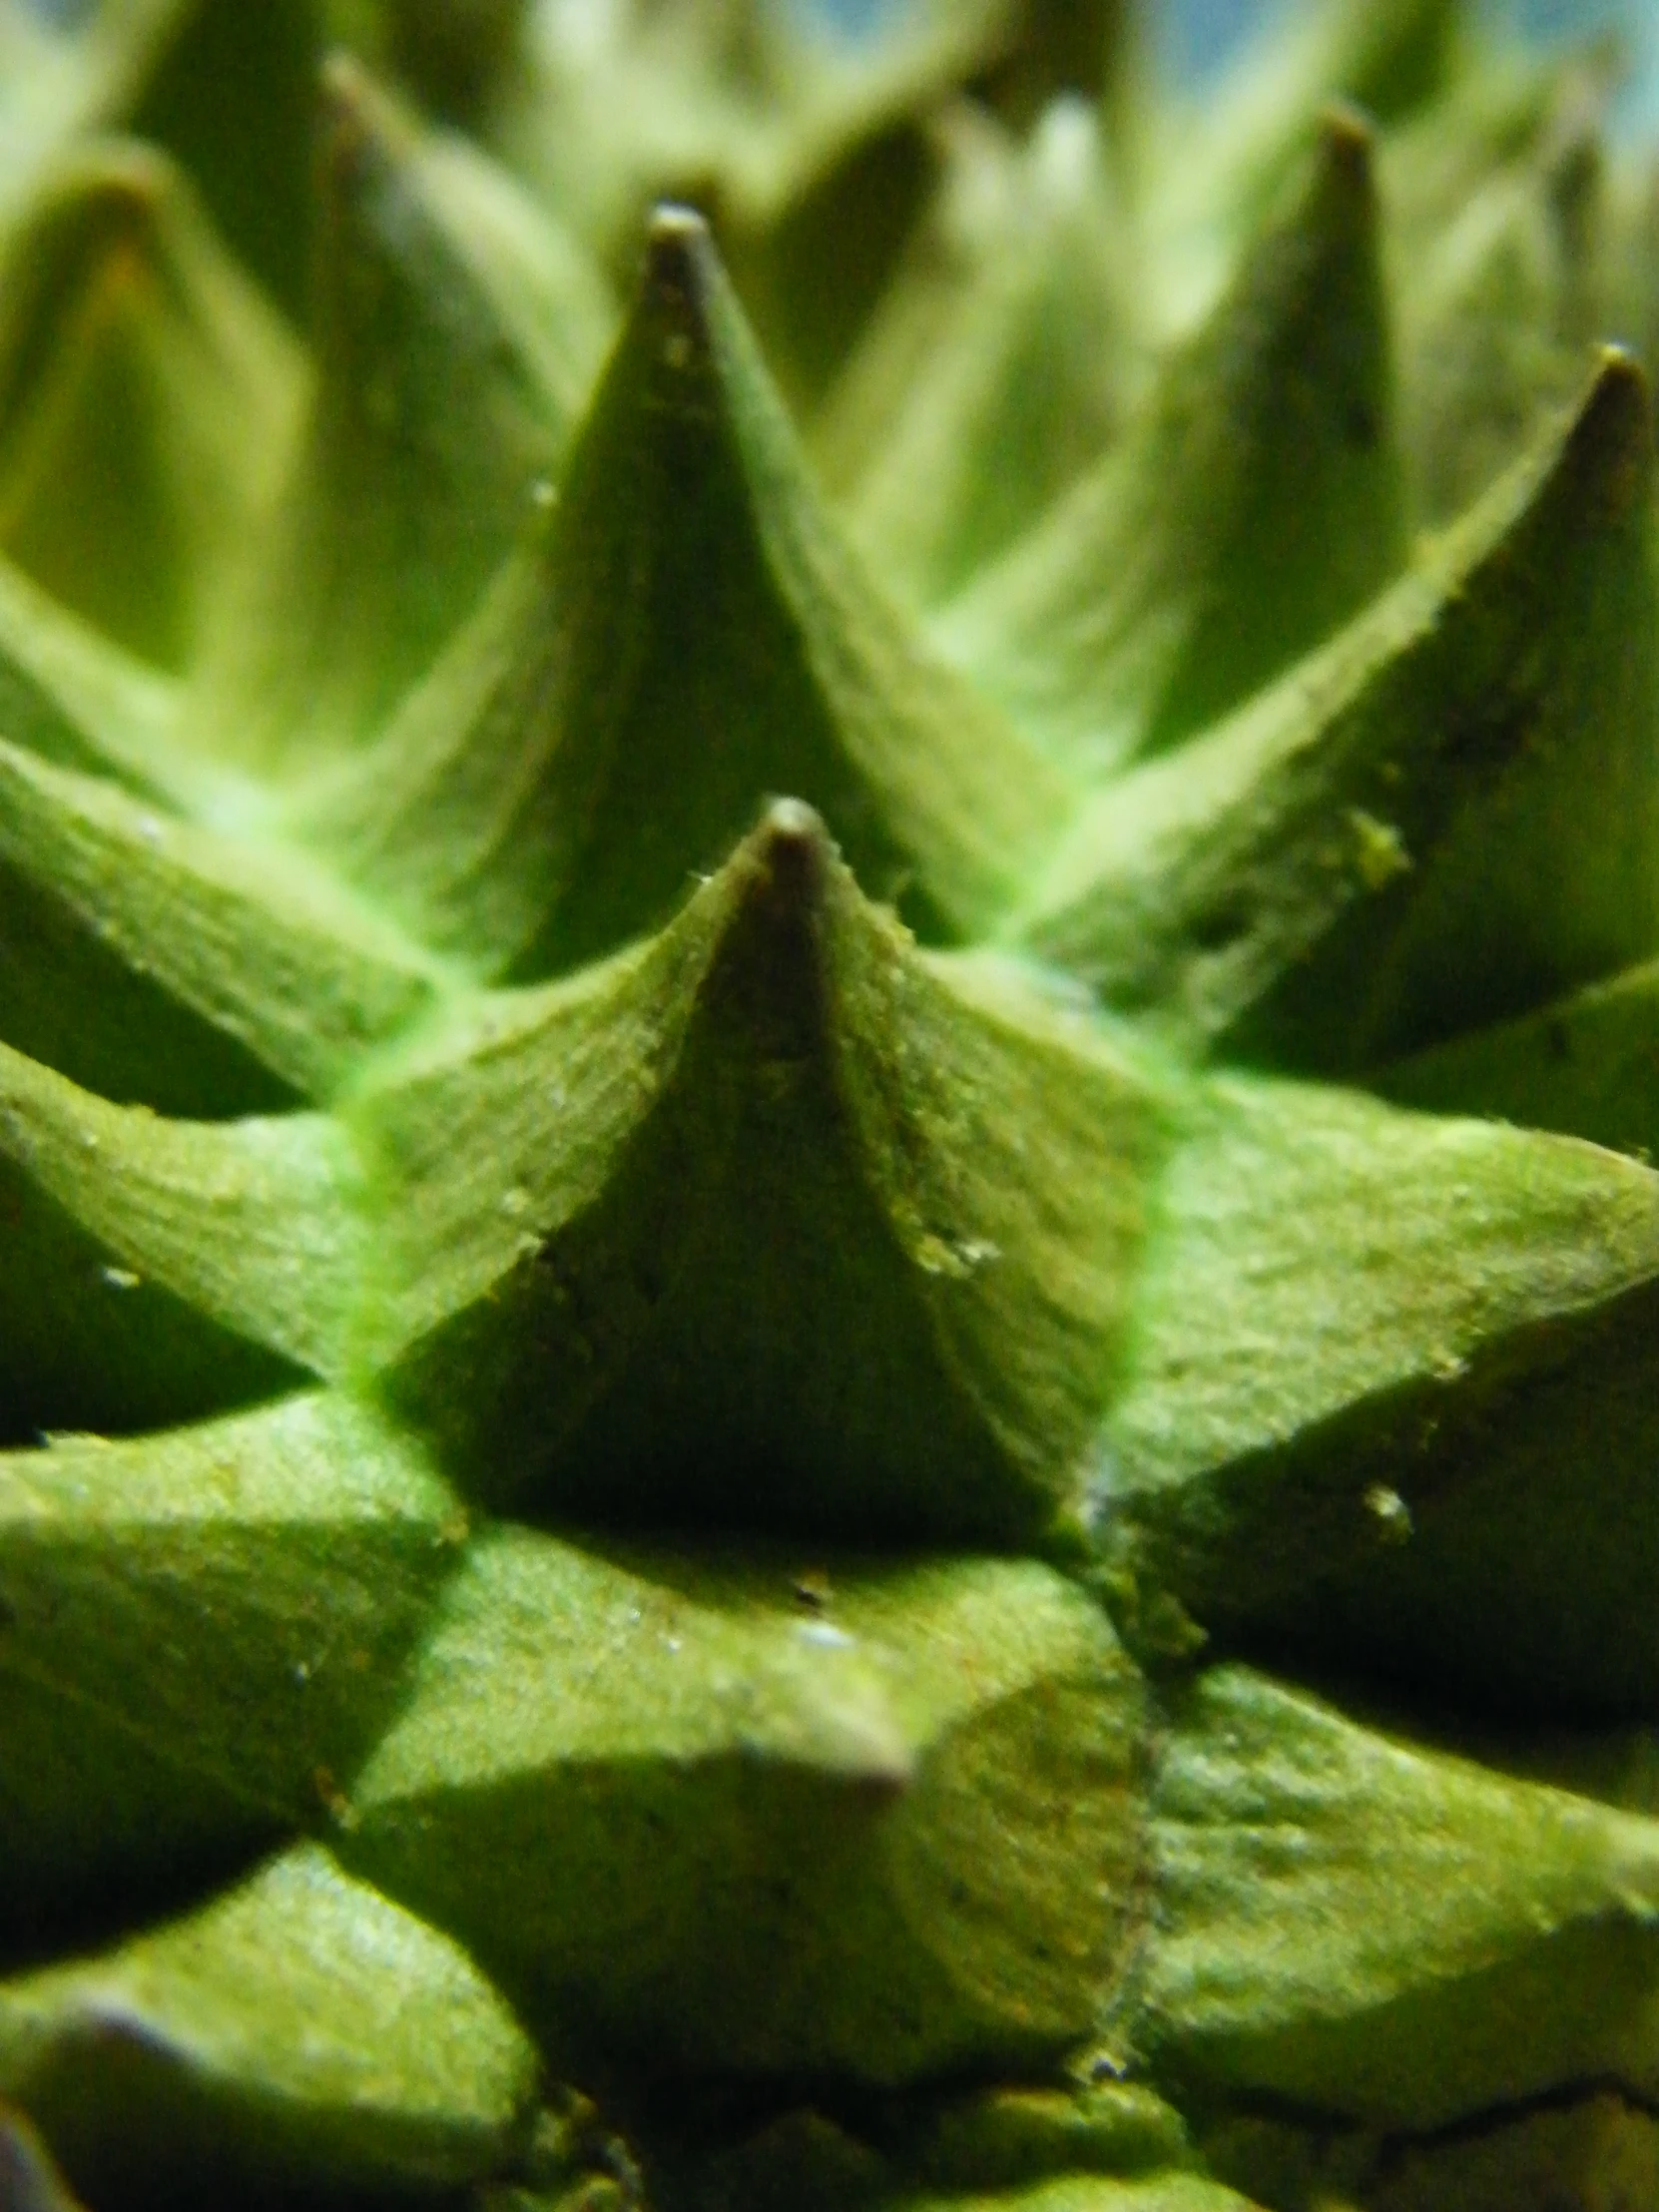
(790, 852)
(361, 136)
(1612, 440)
(779, 901)
(771, 1253)
(145, 393)
(347, 132)
(353, 114)
(119, 204)
(1346, 144)
(342, 92)
(680, 268)
(380, 223)
(677, 245)
(111, 267)
(1337, 212)
(99, 230)
(1542, 598)
(691, 634)
(1253, 505)
(439, 352)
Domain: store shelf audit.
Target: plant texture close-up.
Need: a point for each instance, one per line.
(829, 1033)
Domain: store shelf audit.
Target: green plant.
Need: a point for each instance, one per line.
(757, 1452)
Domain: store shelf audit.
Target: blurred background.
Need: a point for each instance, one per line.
(1198, 36)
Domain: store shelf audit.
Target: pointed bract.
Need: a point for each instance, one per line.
(974, 202)
(1365, 1929)
(63, 70)
(1024, 385)
(1371, 1351)
(1583, 1065)
(1253, 505)
(158, 1269)
(773, 1222)
(959, 1740)
(147, 396)
(849, 189)
(456, 336)
(217, 1620)
(157, 961)
(263, 2039)
(1218, 168)
(685, 635)
(1498, 315)
(1286, 886)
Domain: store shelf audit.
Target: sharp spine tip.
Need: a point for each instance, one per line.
(1345, 140)
(676, 240)
(793, 850)
(342, 92)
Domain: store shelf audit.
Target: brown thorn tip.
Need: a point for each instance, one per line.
(1616, 364)
(355, 121)
(127, 197)
(792, 849)
(345, 95)
(792, 822)
(1346, 138)
(676, 240)
(1619, 394)
(342, 77)
(1611, 442)
(673, 219)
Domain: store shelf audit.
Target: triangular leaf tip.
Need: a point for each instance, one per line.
(800, 1132)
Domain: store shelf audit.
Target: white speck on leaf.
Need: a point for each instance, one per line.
(1391, 1510)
